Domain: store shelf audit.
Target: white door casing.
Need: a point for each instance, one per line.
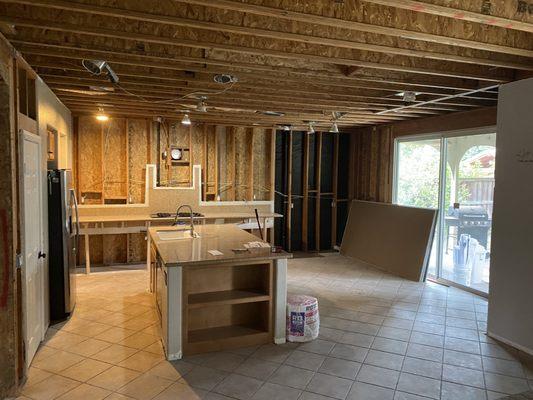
(32, 212)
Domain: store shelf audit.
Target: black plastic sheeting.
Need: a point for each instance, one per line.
(280, 185)
(326, 186)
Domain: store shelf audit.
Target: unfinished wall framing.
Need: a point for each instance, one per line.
(372, 149)
(311, 189)
(110, 168)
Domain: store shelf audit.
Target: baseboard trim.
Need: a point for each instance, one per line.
(510, 343)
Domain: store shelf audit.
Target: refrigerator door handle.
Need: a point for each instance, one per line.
(75, 202)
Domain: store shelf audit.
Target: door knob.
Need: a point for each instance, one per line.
(41, 255)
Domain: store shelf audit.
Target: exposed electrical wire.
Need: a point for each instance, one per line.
(197, 93)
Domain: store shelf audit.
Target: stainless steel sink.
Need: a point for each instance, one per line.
(177, 234)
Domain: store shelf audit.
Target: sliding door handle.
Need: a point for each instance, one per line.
(41, 255)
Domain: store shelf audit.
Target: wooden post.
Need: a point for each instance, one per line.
(216, 169)
(232, 182)
(190, 157)
(250, 191)
(305, 200)
(272, 164)
(288, 219)
(335, 187)
(318, 169)
(204, 163)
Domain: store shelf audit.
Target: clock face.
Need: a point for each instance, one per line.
(175, 154)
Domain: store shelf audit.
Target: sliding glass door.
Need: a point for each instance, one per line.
(456, 176)
(417, 179)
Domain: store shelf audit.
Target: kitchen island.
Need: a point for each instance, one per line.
(214, 294)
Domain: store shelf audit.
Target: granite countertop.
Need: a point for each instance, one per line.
(146, 217)
(224, 238)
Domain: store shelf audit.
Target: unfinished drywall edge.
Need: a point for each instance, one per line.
(369, 228)
(509, 312)
(508, 342)
(265, 205)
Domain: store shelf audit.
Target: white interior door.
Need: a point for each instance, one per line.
(32, 212)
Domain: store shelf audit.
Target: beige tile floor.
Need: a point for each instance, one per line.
(382, 338)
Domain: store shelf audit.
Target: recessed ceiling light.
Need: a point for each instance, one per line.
(224, 79)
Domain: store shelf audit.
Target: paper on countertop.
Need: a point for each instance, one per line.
(257, 244)
(215, 252)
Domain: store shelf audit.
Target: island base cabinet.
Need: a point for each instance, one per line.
(227, 306)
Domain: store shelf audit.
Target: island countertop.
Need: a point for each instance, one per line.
(221, 237)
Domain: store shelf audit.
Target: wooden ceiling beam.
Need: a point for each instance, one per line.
(426, 85)
(103, 32)
(78, 111)
(354, 25)
(457, 13)
(59, 82)
(259, 87)
(242, 103)
(289, 118)
(276, 35)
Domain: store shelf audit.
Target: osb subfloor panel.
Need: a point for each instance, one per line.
(381, 338)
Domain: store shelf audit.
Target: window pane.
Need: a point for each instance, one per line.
(468, 210)
(417, 180)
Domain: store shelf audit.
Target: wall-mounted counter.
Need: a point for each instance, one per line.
(211, 302)
(125, 220)
(125, 224)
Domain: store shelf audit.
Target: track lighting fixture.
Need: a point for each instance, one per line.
(201, 106)
(96, 67)
(186, 120)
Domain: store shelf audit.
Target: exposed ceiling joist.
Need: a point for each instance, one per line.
(354, 25)
(458, 13)
(271, 34)
(426, 84)
(110, 33)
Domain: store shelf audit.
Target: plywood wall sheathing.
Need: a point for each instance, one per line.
(138, 137)
(242, 163)
(136, 247)
(114, 166)
(115, 249)
(90, 161)
(179, 135)
(262, 164)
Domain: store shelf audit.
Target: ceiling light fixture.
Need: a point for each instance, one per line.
(311, 127)
(96, 67)
(102, 116)
(201, 106)
(334, 128)
(224, 79)
(186, 120)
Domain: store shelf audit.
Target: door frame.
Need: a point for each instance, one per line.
(23, 136)
(442, 176)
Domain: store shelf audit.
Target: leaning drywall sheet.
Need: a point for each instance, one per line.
(393, 238)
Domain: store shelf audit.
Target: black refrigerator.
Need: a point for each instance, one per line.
(63, 239)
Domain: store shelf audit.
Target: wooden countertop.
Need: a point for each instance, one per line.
(145, 217)
(224, 238)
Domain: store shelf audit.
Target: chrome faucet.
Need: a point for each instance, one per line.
(193, 234)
